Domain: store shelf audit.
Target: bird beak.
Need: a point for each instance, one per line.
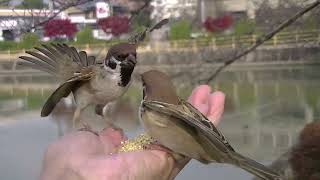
(131, 58)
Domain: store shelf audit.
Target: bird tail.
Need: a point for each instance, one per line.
(255, 168)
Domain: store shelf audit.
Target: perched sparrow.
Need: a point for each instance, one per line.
(178, 126)
(91, 83)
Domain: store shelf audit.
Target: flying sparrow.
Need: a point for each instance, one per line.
(90, 82)
(184, 131)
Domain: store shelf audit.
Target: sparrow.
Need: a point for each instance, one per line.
(184, 131)
(89, 81)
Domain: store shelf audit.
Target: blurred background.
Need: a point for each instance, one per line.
(271, 93)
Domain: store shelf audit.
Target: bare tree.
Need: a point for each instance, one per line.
(295, 17)
(260, 40)
(33, 19)
(46, 15)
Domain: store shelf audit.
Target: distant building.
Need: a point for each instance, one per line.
(172, 8)
(238, 8)
(88, 16)
(11, 21)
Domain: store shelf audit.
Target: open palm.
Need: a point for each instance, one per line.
(85, 156)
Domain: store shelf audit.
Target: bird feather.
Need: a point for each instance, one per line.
(173, 110)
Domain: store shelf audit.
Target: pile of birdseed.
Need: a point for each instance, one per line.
(135, 144)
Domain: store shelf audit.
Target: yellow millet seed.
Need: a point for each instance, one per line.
(135, 144)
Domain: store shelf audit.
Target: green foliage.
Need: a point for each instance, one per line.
(34, 100)
(141, 21)
(32, 4)
(85, 36)
(29, 40)
(7, 45)
(180, 30)
(244, 27)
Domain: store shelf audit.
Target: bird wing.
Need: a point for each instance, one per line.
(65, 89)
(60, 60)
(194, 119)
(65, 62)
(221, 150)
(203, 119)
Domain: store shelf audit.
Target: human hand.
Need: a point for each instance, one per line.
(83, 155)
(209, 104)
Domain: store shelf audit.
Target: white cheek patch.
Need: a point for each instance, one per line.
(115, 60)
(117, 69)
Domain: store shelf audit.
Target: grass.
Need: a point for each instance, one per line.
(34, 99)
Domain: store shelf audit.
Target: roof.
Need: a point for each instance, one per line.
(73, 10)
(25, 12)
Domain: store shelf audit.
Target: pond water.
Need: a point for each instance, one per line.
(265, 110)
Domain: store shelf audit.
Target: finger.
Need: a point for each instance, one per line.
(199, 98)
(142, 165)
(70, 150)
(111, 139)
(76, 143)
(216, 107)
(159, 165)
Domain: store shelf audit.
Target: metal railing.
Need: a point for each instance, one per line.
(218, 42)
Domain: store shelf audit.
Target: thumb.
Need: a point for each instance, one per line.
(150, 164)
(111, 139)
(139, 165)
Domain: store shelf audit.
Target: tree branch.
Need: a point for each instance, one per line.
(263, 39)
(137, 12)
(54, 14)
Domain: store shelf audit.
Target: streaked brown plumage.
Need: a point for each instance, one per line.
(91, 83)
(179, 126)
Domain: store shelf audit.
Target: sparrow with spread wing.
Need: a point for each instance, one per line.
(178, 126)
(90, 82)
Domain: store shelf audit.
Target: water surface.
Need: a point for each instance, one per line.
(265, 110)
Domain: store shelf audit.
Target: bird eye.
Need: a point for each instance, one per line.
(112, 62)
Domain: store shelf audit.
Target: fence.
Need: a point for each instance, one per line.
(223, 41)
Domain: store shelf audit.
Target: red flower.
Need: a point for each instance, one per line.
(218, 24)
(59, 27)
(115, 25)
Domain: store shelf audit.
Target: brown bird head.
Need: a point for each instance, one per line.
(157, 86)
(122, 53)
(125, 56)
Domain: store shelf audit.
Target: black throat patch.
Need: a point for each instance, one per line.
(125, 72)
